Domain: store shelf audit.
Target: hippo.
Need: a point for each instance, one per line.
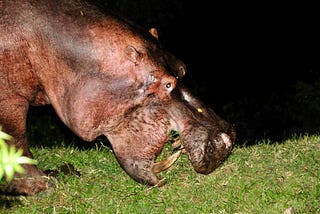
(104, 76)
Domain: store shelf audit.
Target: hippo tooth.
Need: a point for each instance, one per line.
(226, 139)
(176, 144)
(165, 164)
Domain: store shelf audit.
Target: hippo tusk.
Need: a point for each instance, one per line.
(165, 164)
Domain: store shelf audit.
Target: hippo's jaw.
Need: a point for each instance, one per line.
(145, 171)
(142, 169)
(138, 141)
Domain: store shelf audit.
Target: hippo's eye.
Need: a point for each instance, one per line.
(168, 85)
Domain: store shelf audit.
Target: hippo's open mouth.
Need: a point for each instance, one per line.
(177, 147)
(204, 159)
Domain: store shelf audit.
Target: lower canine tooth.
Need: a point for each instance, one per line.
(165, 164)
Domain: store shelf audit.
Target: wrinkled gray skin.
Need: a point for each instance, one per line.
(103, 75)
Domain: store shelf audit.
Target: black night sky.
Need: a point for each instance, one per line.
(246, 49)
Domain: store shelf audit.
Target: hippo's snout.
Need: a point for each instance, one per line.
(206, 146)
(207, 138)
(211, 155)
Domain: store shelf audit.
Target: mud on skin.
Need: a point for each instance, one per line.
(103, 75)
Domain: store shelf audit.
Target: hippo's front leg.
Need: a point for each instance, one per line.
(139, 140)
(13, 121)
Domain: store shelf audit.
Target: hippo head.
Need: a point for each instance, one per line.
(207, 138)
(137, 142)
(137, 104)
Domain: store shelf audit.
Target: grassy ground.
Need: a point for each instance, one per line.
(264, 178)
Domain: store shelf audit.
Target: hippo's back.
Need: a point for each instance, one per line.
(22, 17)
(33, 33)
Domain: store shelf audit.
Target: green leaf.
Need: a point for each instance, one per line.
(26, 160)
(8, 170)
(4, 135)
(11, 159)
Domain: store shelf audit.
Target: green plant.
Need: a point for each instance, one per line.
(11, 159)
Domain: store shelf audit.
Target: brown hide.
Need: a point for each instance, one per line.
(103, 75)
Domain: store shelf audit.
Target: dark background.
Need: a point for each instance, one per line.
(256, 65)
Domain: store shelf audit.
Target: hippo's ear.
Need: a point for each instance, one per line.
(154, 32)
(133, 55)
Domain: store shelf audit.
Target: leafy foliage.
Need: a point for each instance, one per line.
(11, 159)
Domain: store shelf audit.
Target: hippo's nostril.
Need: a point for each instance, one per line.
(210, 147)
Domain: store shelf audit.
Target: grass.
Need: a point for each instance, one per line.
(268, 177)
